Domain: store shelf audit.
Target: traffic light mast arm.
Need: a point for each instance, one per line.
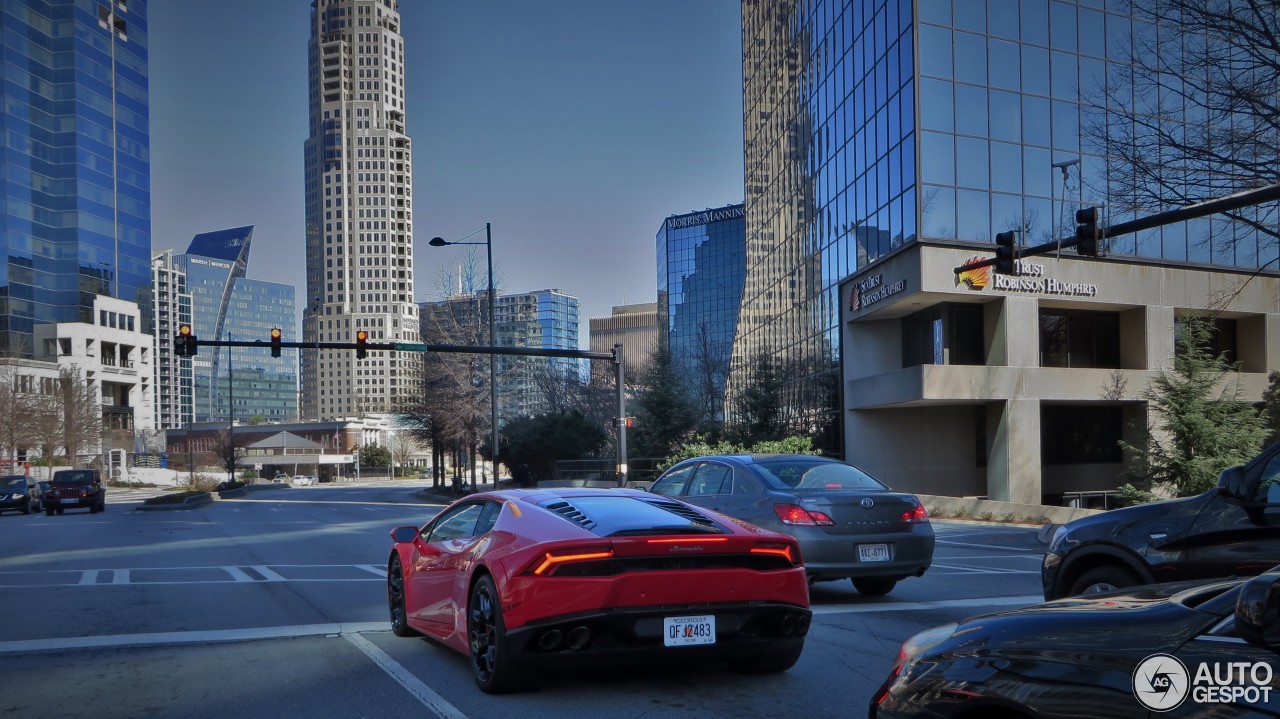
(1190, 212)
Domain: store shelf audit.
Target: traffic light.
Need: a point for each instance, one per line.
(1006, 252)
(184, 343)
(275, 341)
(1087, 231)
(361, 338)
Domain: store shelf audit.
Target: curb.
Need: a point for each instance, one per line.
(195, 501)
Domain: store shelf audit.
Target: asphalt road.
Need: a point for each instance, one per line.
(274, 605)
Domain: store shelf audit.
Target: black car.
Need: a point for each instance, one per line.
(1231, 530)
(1202, 649)
(848, 523)
(21, 493)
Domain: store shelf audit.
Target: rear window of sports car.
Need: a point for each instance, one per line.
(623, 516)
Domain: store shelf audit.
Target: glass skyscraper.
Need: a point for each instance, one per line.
(228, 306)
(869, 127)
(545, 319)
(359, 208)
(702, 263)
(75, 208)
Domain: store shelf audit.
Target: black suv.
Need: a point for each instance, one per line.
(75, 488)
(1231, 530)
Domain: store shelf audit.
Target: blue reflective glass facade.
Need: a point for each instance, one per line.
(547, 319)
(75, 211)
(228, 306)
(870, 124)
(702, 263)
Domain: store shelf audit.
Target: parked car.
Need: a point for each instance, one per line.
(848, 524)
(1189, 649)
(20, 492)
(1231, 530)
(305, 480)
(76, 488)
(528, 580)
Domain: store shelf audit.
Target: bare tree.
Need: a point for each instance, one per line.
(708, 372)
(402, 445)
(227, 452)
(1195, 115)
(81, 414)
(17, 407)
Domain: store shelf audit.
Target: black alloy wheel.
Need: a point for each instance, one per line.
(486, 635)
(395, 601)
(26, 508)
(48, 511)
(1105, 578)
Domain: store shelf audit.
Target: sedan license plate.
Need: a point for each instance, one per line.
(873, 552)
(686, 631)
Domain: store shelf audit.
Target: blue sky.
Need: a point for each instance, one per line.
(573, 126)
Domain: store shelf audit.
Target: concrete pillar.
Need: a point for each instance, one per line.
(1014, 466)
(1160, 338)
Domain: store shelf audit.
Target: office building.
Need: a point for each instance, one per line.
(359, 209)
(173, 385)
(228, 306)
(635, 327)
(886, 144)
(75, 209)
(702, 260)
(543, 319)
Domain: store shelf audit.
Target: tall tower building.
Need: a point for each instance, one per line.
(243, 382)
(702, 264)
(635, 327)
(359, 208)
(75, 207)
(173, 384)
(542, 319)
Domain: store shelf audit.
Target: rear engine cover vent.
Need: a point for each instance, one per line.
(571, 513)
(682, 510)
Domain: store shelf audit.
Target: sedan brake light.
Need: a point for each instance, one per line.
(915, 516)
(795, 515)
(550, 560)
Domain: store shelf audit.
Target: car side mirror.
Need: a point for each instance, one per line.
(1231, 482)
(403, 535)
(1258, 611)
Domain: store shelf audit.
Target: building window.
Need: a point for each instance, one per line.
(1221, 341)
(1080, 434)
(1070, 338)
(944, 334)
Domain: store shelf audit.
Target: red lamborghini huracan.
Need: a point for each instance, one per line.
(533, 579)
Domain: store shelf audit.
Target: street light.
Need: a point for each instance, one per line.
(493, 372)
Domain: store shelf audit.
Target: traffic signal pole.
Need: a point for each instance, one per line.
(1190, 212)
(189, 344)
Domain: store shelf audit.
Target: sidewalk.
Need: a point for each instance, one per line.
(445, 494)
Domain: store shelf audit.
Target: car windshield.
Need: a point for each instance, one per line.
(812, 474)
(73, 477)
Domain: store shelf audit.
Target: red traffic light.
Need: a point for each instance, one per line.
(275, 333)
(275, 341)
(361, 338)
(184, 330)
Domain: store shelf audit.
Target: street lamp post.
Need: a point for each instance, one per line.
(493, 372)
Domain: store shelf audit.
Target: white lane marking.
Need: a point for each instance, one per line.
(111, 641)
(238, 574)
(995, 556)
(918, 606)
(268, 574)
(415, 686)
(89, 576)
(120, 576)
(380, 571)
(985, 570)
(1005, 548)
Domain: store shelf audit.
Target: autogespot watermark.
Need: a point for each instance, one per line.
(1161, 682)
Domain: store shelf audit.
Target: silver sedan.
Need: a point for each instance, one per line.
(848, 523)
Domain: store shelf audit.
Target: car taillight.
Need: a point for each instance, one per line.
(551, 560)
(796, 515)
(915, 516)
(778, 549)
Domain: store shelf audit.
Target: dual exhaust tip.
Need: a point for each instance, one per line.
(574, 640)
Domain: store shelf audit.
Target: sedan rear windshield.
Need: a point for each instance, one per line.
(73, 477)
(808, 474)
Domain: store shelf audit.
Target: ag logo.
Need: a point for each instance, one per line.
(1161, 682)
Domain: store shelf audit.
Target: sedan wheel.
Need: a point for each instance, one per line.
(26, 508)
(486, 635)
(1106, 578)
(395, 600)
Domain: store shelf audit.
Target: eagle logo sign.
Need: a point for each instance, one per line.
(976, 278)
